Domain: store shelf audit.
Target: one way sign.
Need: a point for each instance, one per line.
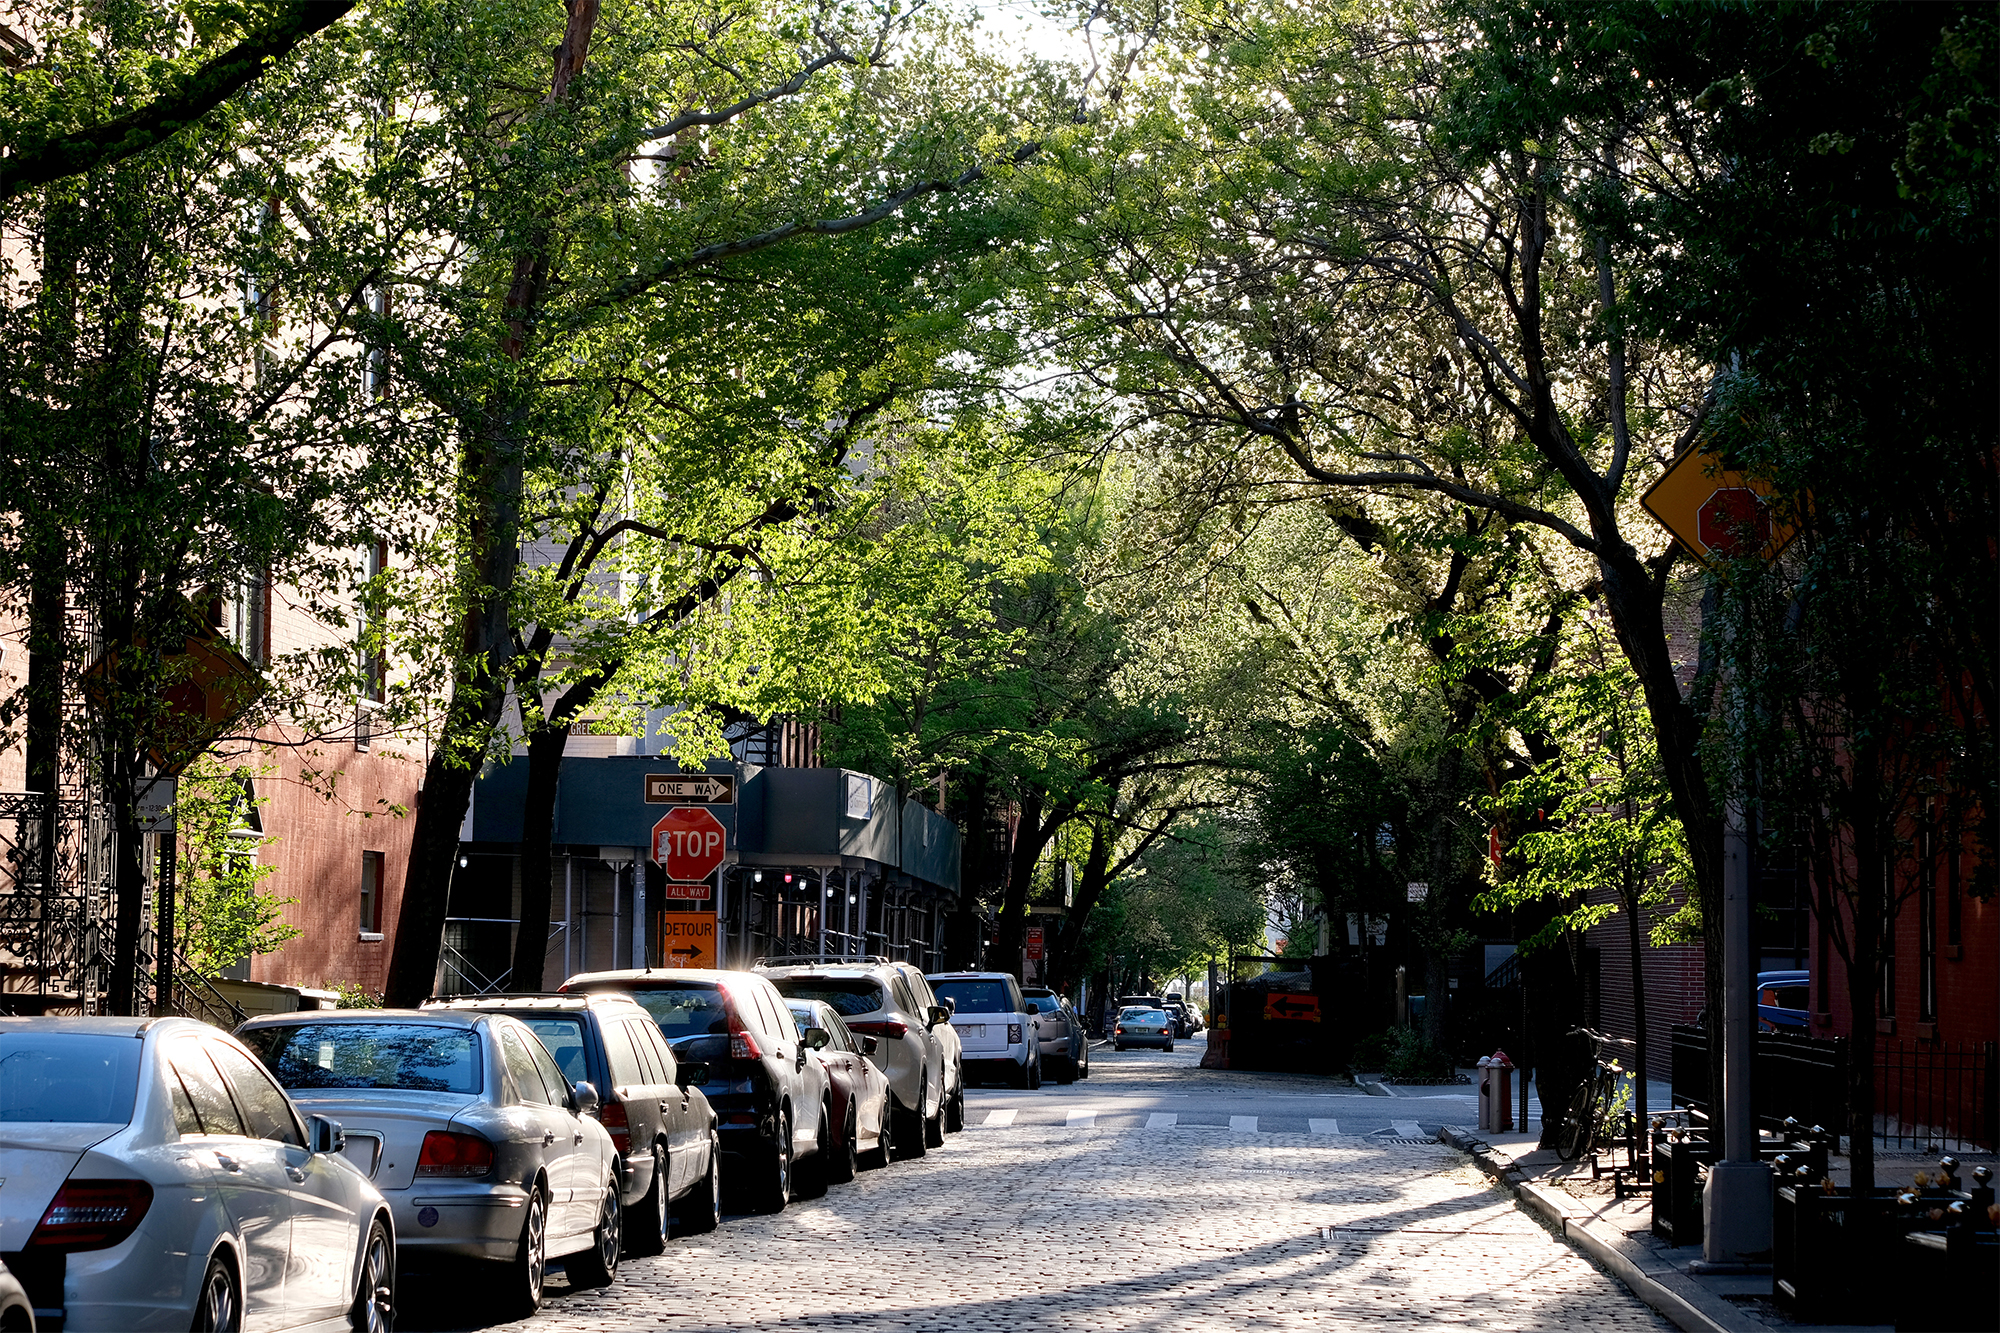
(690, 789)
(1297, 1008)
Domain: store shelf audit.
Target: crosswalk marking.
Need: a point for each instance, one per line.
(1162, 1120)
(1243, 1124)
(1081, 1119)
(1000, 1117)
(1325, 1126)
(1406, 1129)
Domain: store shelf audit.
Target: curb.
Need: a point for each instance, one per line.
(1378, 1090)
(1549, 1204)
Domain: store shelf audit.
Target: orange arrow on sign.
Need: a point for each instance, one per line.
(1297, 1008)
(1716, 512)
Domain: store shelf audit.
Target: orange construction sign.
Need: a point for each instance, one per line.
(1294, 1008)
(687, 939)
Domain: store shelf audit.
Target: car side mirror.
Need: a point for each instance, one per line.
(585, 1095)
(940, 1013)
(325, 1136)
(950, 1004)
(691, 1073)
(814, 1039)
(868, 1045)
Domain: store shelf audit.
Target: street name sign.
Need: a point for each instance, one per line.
(1292, 1008)
(689, 843)
(687, 939)
(690, 789)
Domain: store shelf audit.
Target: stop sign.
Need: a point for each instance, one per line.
(1733, 522)
(688, 842)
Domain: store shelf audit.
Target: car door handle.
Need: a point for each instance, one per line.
(297, 1173)
(227, 1163)
(548, 1137)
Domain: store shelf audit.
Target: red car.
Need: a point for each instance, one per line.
(861, 1119)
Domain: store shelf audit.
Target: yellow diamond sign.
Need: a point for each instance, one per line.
(1718, 513)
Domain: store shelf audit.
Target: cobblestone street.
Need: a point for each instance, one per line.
(1068, 1215)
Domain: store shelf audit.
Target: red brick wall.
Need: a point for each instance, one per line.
(317, 852)
(1673, 984)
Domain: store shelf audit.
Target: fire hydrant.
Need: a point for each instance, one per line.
(1496, 1111)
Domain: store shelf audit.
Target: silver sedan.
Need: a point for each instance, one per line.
(156, 1178)
(1139, 1026)
(462, 1120)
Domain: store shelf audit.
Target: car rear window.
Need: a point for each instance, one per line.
(1043, 1004)
(68, 1078)
(976, 997)
(415, 1056)
(562, 1034)
(1139, 1014)
(844, 995)
(685, 1011)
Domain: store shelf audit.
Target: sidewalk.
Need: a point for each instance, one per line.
(1618, 1234)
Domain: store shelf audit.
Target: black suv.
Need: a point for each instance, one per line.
(654, 1109)
(771, 1100)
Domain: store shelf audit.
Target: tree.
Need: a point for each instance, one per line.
(224, 914)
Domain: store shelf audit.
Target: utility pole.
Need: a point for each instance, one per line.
(1736, 1206)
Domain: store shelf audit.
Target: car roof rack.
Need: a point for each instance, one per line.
(824, 959)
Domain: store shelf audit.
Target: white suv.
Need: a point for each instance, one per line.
(1000, 1033)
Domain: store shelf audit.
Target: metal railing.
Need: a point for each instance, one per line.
(1936, 1096)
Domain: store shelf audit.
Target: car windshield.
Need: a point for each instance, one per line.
(417, 1057)
(563, 1035)
(686, 1011)
(68, 1078)
(803, 1017)
(975, 997)
(1043, 1004)
(846, 996)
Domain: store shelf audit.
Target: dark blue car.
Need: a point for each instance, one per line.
(1784, 1002)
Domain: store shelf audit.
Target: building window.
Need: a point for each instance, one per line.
(375, 361)
(371, 895)
(249, 612)
(1885, 969)
(1954, 911)
(374, 653)
(1927, 885)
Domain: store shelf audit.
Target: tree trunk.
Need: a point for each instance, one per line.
(538, 826)
(1011, 935)
(1096, 878)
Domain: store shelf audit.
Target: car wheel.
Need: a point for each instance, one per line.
(218, 1307)
(809, 1177)
(1083, 1062)
(1065, 1070)
(954, 1111)
(885, 1145)
(704, 1205)
(1168, 1048)
(520, 1293)
(843, 1166)
(598, 1265)
(910, 1133)
(374, 1308)
(777, 1186)
(1117, 1045)
(1035, 1075)
(646, 1224)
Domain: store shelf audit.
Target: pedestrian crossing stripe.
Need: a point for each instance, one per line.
(1081, 1119)
(1406, 1128)
(1162, 1120)
(1000, 1118)
(1324, 1126)
(1243, 1124)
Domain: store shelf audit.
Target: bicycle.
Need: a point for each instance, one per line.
(1590, 1108)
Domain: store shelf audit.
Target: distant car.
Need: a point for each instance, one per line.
(862, 1123)
(483, 1149)
(994, 1022)
(156, 1178)
(1140, 1026)
(1183, 1025)
(1784, 1001)
(916, 1047)
(17, 1313)
(771, 1100)
(1065, 1045)
(662, 1128)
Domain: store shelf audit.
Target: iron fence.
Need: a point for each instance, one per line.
(1936, 1096)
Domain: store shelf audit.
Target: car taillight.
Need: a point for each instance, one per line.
(448, 1154)
(887, 1027)
(91, 1214)
(612, 1116)
(742, 1046)
(1013, 1032)
(1118, 1032)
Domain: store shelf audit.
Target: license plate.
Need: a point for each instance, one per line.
(972, 1029)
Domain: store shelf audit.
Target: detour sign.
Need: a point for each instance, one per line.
(687, 939)
(1301, 1008)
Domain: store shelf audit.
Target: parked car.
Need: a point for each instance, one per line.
(483, 1149)
(1784, 1001)
(954, 1051)
(1139, 1026)
(1183, 1025)
(861, 1118)
(1065, 1045)
(659, 1119)
(995, 1025)
(876, 1000)
(156, 1178)
(17, 1312)
(772, 1104)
